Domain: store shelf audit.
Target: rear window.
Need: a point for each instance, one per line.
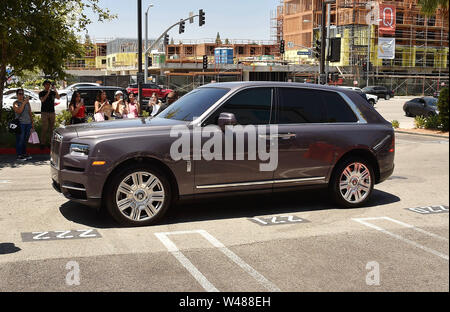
(337, 110)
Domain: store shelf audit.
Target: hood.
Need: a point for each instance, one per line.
(124, 125)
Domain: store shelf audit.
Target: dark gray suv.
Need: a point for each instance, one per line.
(214, 141)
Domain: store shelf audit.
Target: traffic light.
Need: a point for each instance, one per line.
(364, 66)
(166, 40)
(182, 26)
(150, 61)
(205, 62)
(317, 49)
(201, 18)
(282, 47)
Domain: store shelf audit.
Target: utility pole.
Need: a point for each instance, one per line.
(323, 39)
(146, 44)
(140, 74)
(368, 54)
(327, 68)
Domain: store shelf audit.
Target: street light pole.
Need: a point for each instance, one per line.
(139, 75)
(146, 44)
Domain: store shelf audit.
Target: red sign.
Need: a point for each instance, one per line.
(387, 19)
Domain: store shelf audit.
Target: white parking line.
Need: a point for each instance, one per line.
(432, 251)
(208, 286)
(5, 181)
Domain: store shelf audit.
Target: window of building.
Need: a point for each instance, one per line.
(399, 18)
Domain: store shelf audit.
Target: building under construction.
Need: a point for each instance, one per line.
(421, 43)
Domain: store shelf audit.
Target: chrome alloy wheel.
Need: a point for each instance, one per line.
(140, 196)
(355, 183)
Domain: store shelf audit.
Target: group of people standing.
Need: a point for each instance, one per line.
(121, 108)
(22, 110)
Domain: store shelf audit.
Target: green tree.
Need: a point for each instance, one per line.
(41, 35)
(429, 7)
(443, 109)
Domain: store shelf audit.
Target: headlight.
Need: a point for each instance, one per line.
(79, 149)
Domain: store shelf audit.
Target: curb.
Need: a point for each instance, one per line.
(30, 151)
(424, 134)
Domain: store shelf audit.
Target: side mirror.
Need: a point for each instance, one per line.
(226, 119)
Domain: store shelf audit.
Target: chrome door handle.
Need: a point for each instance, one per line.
(285, 136)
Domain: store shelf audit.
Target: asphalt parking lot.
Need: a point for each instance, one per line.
(393, 110)
(289, 242)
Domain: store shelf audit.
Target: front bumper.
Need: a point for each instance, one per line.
(73, 187)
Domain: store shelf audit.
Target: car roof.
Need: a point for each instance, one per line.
(236, 85)
(99, 88)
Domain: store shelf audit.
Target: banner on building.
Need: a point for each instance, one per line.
(387, 19)
(386, 48)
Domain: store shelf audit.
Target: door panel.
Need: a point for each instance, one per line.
(252, 107)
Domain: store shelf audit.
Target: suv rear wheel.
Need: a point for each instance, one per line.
(388, 97)
(138, 195)
(352, 182)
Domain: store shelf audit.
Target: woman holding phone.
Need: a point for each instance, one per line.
(120, 106)
(77, 109)
(133, 106)
(102, 107)
(22, 109)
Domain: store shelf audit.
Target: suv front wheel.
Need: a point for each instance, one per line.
(352, 182)
(138, 196)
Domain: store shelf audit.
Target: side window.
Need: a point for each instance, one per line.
(300, 106)
(337, 110)
(251, 107)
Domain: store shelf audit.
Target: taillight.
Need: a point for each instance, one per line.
(392, 150)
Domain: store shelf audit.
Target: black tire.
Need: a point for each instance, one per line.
(387, 97)
(407, 113)
(372, 102)
(334, 185)
(112, 188)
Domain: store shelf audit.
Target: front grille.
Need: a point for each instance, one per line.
(55, 150)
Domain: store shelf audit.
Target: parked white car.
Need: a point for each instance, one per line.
(372, 99)
(9, 97)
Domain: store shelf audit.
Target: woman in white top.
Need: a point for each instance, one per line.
(120, 106)
(155, 103)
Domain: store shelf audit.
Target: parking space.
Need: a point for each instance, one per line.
(287, 242)
(393, 110)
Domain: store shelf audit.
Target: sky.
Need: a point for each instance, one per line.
(233, 19)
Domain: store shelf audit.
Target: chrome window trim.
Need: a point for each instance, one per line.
(213, 186)
(361, 120)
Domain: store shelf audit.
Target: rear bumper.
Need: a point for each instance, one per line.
(386, 175)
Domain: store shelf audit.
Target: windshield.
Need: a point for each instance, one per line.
(431, 101)
(193, 104)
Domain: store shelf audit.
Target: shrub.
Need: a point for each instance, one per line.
(145, 114)
(433, 122)
(63, 118)
(419, 121)
(395, 124)
(443, 109)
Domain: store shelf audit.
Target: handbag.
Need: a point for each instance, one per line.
(99, 117)
(34, 138)
(14, 125)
